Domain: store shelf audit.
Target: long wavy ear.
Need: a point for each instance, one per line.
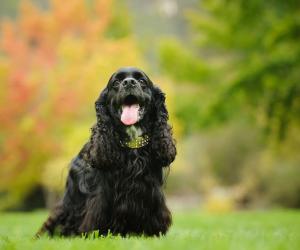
(163, 144)
(100, 106)
(160, 109)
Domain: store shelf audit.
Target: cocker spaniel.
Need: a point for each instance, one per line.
(115, 182)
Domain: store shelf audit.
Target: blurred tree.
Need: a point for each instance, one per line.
(8, 8)
(243, 67)
(53, 65)
(246, 53)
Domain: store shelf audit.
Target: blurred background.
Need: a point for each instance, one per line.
(230, 69)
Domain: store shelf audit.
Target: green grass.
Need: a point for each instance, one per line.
(190, 230)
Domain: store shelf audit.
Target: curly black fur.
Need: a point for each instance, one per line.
(112, 188)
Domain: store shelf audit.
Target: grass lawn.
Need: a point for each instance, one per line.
(190, 230)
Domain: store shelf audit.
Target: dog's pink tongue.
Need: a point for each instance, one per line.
(130, 114)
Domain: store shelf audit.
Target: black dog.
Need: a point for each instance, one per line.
(115, 183)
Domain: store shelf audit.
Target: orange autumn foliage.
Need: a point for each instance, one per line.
(53, 65)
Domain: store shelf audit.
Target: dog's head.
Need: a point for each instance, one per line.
(130, 98)
(129, 95)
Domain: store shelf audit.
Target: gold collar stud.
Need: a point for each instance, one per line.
(138, 142)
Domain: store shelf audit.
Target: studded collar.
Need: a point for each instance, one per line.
(138, 142)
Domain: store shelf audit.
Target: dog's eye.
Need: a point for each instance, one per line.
(142, 82)
(116, 84)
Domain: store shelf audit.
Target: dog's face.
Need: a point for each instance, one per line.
(129, 94)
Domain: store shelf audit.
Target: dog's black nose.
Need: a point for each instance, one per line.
(129, 82)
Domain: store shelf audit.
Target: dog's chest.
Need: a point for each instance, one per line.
(135, 176)
(135, 189)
